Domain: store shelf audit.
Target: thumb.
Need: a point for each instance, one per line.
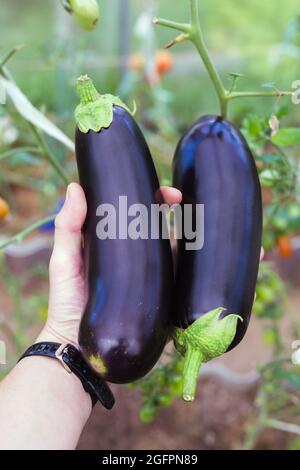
(66, 256)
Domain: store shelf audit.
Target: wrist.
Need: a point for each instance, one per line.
(73, 362)
(63, 388)
(50, 334)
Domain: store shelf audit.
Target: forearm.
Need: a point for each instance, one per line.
(42, 406)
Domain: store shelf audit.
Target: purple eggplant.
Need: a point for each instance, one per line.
(215, 285)
(130, 281)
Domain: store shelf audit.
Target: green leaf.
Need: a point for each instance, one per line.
(282, 112)
(253, 126)
(269, 158)
(269, 337)
(268, 178)
(25, 158)
(287, 137)
(32, 115)
(293, 378)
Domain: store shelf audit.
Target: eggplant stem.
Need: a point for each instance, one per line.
(208, 337)
(86, 90)
(193, 360)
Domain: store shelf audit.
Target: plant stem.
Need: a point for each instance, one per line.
(11, 152)
(192, 362)
(252, 436)
(10, 54)
(214, 76)
(274, 362)
(48, 154)
(283, 426)
(184, 27)
(194, 34)
(86, 90)
(258, 94)
(66, 5)
(259, 424)
(198, 40)
(21, 235)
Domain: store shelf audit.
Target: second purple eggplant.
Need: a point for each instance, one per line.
(215, 285)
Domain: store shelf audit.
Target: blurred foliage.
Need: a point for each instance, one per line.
(27, 311)
(270, 293)
(241, 40)
(161, 387)
(277, 400)
(57, 51)
(278, 164)
(278, 396)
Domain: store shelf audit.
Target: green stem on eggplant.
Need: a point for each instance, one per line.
(193, 360)
(207, 338)
(86, 90)
(24, 233)
(95, 111)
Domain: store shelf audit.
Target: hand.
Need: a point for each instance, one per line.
(68, 289)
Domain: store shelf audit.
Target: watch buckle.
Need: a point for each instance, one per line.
(59, 355)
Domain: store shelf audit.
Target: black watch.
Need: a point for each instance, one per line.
(73, 361)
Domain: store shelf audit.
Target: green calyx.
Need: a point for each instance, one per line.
(95, 111)
(85, 12)
(205, 339)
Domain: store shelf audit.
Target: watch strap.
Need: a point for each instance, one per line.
(73, 361)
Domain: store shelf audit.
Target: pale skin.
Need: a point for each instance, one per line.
(42, 406)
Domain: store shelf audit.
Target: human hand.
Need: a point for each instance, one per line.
(68, 287)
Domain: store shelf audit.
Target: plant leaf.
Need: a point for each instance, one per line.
(286, 137)
(35, 117)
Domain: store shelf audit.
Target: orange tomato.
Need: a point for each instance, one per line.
(136, 62)
(164, 62)
(285, 247)
(4, 208)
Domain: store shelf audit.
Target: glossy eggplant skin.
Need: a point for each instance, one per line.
(130, 282)
(213, 165)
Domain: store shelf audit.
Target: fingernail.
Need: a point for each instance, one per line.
(68, 193)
